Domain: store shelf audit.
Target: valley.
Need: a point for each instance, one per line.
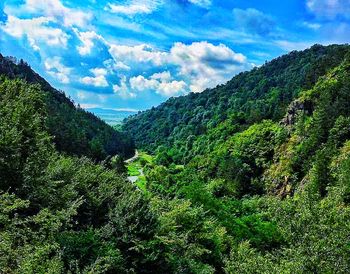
(111, 116)
(248, 177)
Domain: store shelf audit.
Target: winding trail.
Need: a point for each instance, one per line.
(133, 158)
(133, 179)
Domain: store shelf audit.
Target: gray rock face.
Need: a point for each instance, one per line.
(296, 108)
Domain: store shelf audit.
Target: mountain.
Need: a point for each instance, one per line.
(259, 185)
(256, 172)
(262, 93)
(240, 132)
(74, 130)
(112, 116)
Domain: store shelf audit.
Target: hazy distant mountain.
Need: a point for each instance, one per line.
(112, 116)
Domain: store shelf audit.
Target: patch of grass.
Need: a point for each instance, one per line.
(133, 169)
(141, 183)
(141, 161)
(146, 157)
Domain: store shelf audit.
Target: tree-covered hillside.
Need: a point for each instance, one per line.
(59, 213)
(74, 130)
(250, 97)
(266, 158)
(264, 187)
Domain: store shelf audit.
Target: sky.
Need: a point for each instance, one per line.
(134, 54)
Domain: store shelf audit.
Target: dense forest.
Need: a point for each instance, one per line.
(250, 97)
(74, 130)
(249, 177)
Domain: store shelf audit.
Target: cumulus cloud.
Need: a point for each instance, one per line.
(202, 3)
(140, 83)
(122, 89)
(47, 20)
(329, 8)
(164, 76)
(112, 65)
(133, 7)
(87, 39)
(56, 69)
(206, 64)
(55, 9)
(138, 54)
(160, 82)
(171, 88)
(254, 21)
(36, 30)
(200, 63)
(98, 80)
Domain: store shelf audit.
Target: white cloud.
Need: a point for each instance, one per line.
(164, 76)
(88, 97)
(36, 30)
(201, 64)
(137, 54)
(99, 71)
(134, 7)
(312, 26)
(87, 38)
(202, 3)
(329, 8)
(171, 88)
(121, 22)
(290, 45)
(55, 9)
(121, 66)
(140, 83)
(88, 105)
(125, 109)
(205, 64)
(112, 65)
(82, 95)
(122, 90)
(160, 82)
(254, 21)
(56, 69)
(98, 80)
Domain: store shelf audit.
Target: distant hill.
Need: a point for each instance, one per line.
(111, 116)
(74, 130)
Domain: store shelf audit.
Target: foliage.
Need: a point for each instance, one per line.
(250, 97)
(73, 130)
(250, 177)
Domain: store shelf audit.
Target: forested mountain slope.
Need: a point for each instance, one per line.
(266, 157)
(74, 130)
(59, 213)
(250, 97)
(258, 192)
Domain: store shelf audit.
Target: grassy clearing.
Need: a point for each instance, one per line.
(141, 183)
(139, 163)
(133, 169)
(146, 157)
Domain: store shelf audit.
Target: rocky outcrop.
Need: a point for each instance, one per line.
(296, 108)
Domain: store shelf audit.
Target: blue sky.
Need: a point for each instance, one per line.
(134, 54)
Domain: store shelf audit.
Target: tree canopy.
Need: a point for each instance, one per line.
(250, 177)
